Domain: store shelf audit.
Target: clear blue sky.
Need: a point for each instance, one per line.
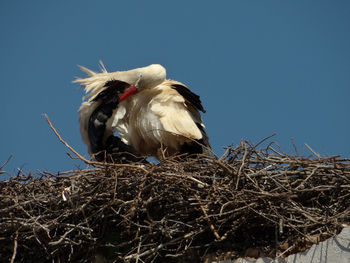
(260, 67)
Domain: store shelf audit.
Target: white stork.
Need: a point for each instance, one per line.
(153, 116)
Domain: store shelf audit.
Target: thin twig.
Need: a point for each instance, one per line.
(86, 160)
(4, 163)
(242, 165)
(315, 153)
(54, 243)
(207, 218)
(14, 253)
(265, 139)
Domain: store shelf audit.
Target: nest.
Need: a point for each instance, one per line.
(250, 201)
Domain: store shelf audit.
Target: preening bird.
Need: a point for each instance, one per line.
(152, 115)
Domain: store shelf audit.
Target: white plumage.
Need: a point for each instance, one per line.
(157, 120)
(157, 117)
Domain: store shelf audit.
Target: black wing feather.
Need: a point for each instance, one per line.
(114, 88)
(191, 97)
(109, 99)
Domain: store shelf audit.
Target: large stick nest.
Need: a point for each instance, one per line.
(181, 210)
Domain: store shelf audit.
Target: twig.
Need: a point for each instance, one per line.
(86, 160)
(4, 163)
(287, 250)
(138, 250)
(14, 248)
(315, 153)
(54, 243)
(294, 146)
(265, 139)
(153, 250)
(242, 165)
(64, 142)
(207, 218)
(307, 178)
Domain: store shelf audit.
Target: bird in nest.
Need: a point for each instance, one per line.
(154, 116)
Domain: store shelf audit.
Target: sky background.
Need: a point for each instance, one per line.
(260, 67)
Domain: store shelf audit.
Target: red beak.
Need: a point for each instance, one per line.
(129, 92)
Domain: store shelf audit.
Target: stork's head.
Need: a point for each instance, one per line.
(142, 78)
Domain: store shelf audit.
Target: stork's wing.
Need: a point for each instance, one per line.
(191, 97)
(108, 101)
